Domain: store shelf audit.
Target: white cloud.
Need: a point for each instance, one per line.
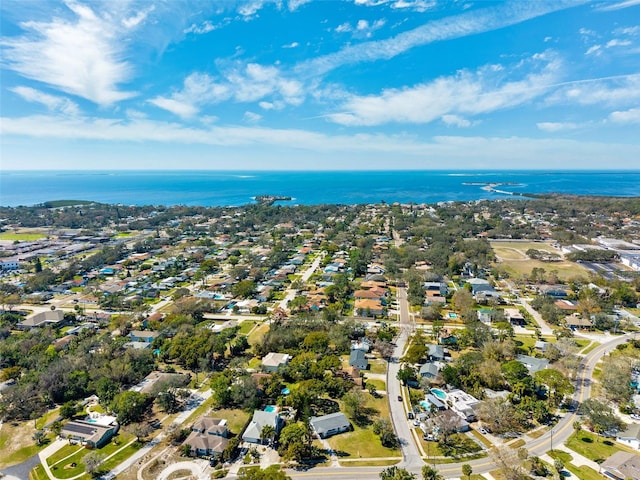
(465, 24)
(456, 121)
(553, 127)
(619, 5)
(243, 83)
(416, 5)
(629, 116)
(344, 27)
(488, 152)
(619, 90)
(138, 18)
(252, 117)
(618, 43)
(82, 56)
(204, 27)
(291, 45)
(52, 102)
(249, 9)
(467, 93)
(586, 32)
(293, 5)
(594, 50)
(547, 39)
(631, 31)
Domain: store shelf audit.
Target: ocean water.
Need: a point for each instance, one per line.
(224, 188)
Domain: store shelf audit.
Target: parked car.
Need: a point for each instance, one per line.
(399, 398)
(483, 430)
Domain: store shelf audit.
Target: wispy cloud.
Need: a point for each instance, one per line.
(82, 56)
(619, 5)
(138, 17)
(629, 116)
(415, 5)
(205, 27)
(488, 152)
(252, 117)
(554, 127)
(242, 83)
(617, 90)
(456, 121)
(52, 102)
(465, 24)
(291, 45)
(467, 93)
(293, 5)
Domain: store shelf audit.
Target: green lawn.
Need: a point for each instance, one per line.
(583, 472)
(594, 447)
(21, 237)
(38, 473)
(377, 366)
(236, 419)
(47, 418)
(379, 384)
(64, 452)
(246, 326)
(256, 336)
(362, 442)
(591, 347)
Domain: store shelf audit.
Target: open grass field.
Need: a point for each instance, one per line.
(361, 442)
(21, 237)
(377, 366)
(257, 334)
(594, 447)
(513, 258)
(17, 444)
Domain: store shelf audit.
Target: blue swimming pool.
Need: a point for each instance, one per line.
(271, 408)
(452, 315)
(426, 405)
(439, 393)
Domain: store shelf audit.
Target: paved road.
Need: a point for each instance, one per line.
(545, 329)
(410, 454)
(306, 275)
(538, 447)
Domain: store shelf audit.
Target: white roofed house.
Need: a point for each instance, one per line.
(272, 362)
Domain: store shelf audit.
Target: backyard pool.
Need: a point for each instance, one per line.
(271, 408)
(452, 315)
(439, 393)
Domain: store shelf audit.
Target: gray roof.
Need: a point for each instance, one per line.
(436, 351)
(357, 356)
(429, 368)
(259, 420)
(632, 431)
(333, 421)
(623, 465)
(533, 364)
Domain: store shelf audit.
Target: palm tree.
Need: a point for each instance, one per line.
(267, 434)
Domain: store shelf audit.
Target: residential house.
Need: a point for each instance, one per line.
(253, 432)
(53, 318)
(94, 434)
(630, 437)
(358, 359)
(328, 425)
(575, 322)
(9, 263)
(514, 316)
(622, 466)
(208, 436)
(463, 404)
(533, 364)
(144, 336)
(271, 362)
(368, 307)
(436, 352)
(428, 370)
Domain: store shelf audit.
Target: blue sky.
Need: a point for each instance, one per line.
(299, 84)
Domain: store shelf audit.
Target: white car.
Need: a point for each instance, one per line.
(483, 430)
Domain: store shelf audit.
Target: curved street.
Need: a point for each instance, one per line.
(412, 460)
